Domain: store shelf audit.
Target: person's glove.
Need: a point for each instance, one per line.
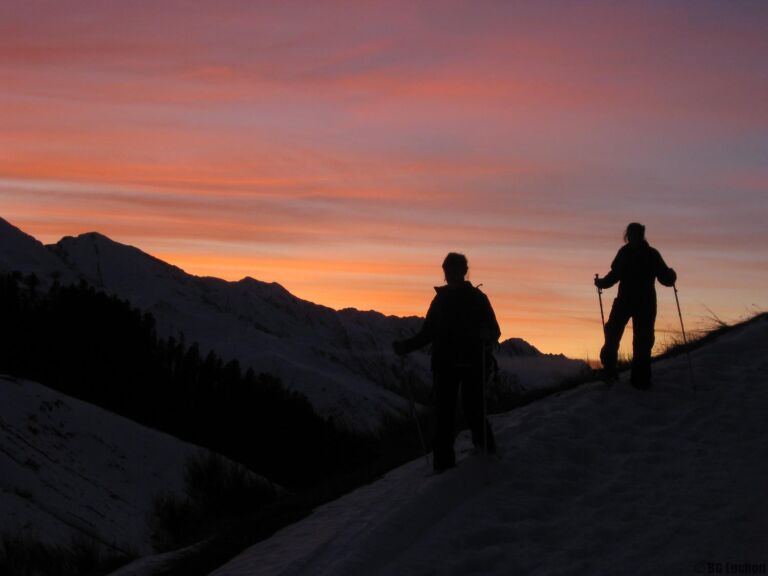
(600, 283)
(673, 276)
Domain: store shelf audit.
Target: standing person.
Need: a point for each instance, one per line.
(462, 328)
(636, 268)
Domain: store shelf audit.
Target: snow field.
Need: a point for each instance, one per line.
(74, 472)
(592, 481)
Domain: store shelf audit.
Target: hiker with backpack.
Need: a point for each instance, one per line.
(636, 268)
(462, 328)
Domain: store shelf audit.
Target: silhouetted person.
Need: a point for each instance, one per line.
(636, 268)
(462, 328)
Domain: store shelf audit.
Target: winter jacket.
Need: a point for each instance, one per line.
(636, 268)
(460, 325)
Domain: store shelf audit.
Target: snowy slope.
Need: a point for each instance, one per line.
(19, 251)
(592, 481)
(341, 360)
(70, 471)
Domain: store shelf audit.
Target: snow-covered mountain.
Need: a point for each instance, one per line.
(517, 347)
(340, 360)
(595, 480)
(22, 252)
(73, 472)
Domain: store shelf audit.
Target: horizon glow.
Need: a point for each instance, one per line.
(342, 149)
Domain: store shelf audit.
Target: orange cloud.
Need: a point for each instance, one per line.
(342, 149)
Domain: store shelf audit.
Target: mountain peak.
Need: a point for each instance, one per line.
(518, 347)
(108, 263)
(21, 252)
(273, 287)
(8, 231)
(96, 237)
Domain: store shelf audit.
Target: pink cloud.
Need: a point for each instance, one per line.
(526, 135)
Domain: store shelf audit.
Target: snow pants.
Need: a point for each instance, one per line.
(448, 380)
(643, 315)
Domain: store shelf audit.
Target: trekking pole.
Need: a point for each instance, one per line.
(413, 409)
(485, 411)
(600, 297)
(685, 340)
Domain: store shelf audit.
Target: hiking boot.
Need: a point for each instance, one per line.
(608, 375)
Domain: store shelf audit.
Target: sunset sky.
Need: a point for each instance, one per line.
(343, 148)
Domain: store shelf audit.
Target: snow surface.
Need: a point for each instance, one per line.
(22, 252)
(595, 480)
(72, 472)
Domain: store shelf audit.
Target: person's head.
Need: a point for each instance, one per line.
(455, 267)
(634, 233)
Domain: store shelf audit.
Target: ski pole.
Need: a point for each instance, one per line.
(685, 340)
(485, 417)
(413, 409)
(600, 297)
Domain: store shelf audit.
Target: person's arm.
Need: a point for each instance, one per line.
(423, 337)
(614, 275)
(493, 332)
(666, 275)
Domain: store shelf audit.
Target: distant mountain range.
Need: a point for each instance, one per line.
(341, 360)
